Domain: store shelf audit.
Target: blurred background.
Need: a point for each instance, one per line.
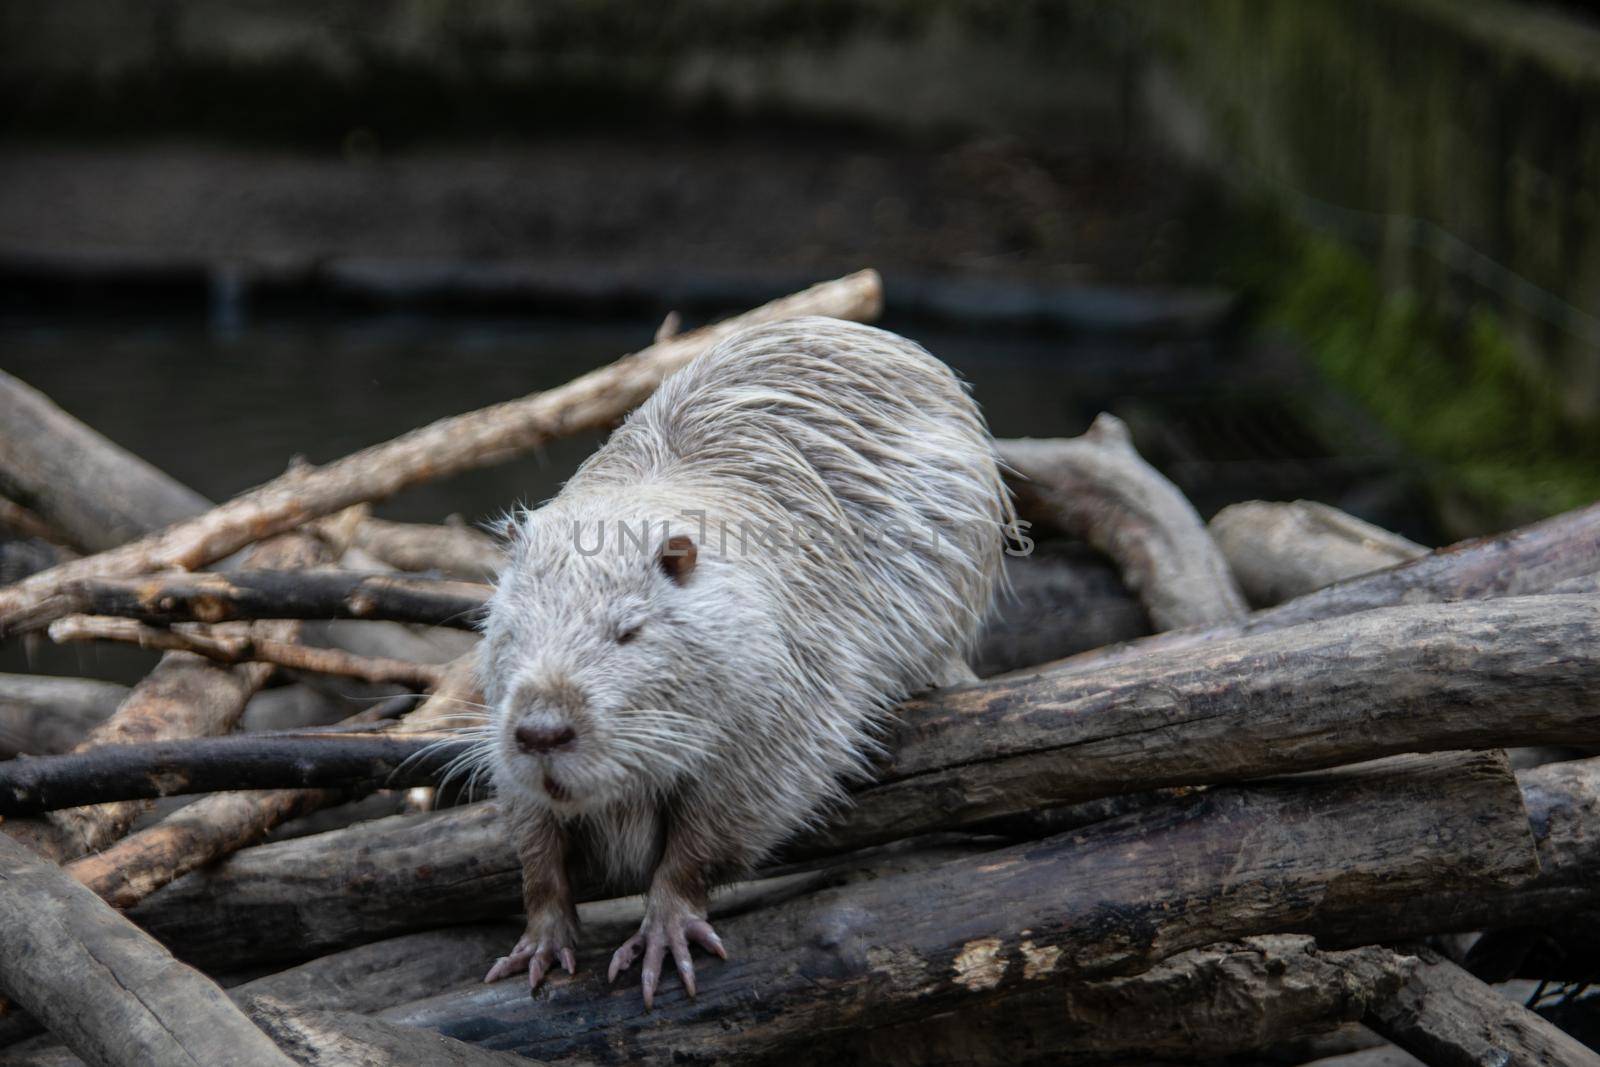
(1336, 249)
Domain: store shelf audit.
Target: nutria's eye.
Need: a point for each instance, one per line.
(628, 634)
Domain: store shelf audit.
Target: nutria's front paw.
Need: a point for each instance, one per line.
(666, 925)
(550, 936)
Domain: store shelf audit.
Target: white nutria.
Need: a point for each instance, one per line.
(677, 680)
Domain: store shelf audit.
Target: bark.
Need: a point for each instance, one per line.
(17, 521)
(41, 715)
(1448, 1018)
(1113, 899)
(184, 696)
(443, 448)
(1011, 747)
(1221, 1000)
(165, 599)
(456, 551)
(79, 483)
(246, 643)
(341, 1039)
(1098, 488)
(1532, 559)
(311, 759)
(1281, 551)
(114, 995)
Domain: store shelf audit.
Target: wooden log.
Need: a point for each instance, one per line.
(456, 551)
(17, 521)
(1097, 487)
(448, 446)
(1112, 899)
(114, 995)
(246, 643)
(1235, 713)
(41, 715)
(79, 483)
(1445, 1016)
(319, 1038)
(1281, 551)
(184, 696)
(301, 760)
(165, 599)
(1532, 559)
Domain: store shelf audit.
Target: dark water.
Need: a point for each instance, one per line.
(225, 409)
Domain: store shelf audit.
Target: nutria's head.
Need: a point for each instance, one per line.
(599, 659)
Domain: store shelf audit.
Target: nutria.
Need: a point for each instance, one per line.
(694, 645)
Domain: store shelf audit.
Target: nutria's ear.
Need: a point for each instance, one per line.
(677, 558)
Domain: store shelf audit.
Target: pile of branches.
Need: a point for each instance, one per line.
(1265, 790)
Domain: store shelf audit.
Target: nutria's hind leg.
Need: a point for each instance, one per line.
(953, 671)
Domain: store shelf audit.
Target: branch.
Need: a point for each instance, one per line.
(455, 551)
(1098, 488)
(1281, 551)
(247, 644)
(1111, 899)
(102, 985)
(449, 446)
(1444, 1015)
(41, 714)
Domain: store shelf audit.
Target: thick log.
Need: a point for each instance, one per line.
(1529, 560)
(1446, 1017)
(448, 446)
(1299, 699)
(456, 551)
(246, 643)
(17, 521)
(318, 1038)
(114, 995)
(184, 696)
(303, 760)
(1112, 899)
(81, 484)
(1281, 551)
(1098, 488)
(165, 599)
(41, 715)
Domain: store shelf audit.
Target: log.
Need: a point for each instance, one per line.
(284, 594)
(448, 446)
(1445, 1016)
(41, 715)
(184, 696)
(317, 1038)
(1529, 560)
(17, 521)
(295, 760)
(109, 991)
(1281, 551)
(97, 494)
(1280, 701)
(1112, 899)
(456, 551)
(1096, 487)
(246, 643)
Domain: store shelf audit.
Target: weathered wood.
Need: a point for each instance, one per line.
(1018, 745)
(184, 696)
(1098, 488)
(164, 599)
(1112, 899)
(1448, 1018)
(114, 995)
(41, 715)
(17, 521)
(457, 551)
(81, 484)
(1222, 1000)
(245, 643)
(300, 760)
(1280, 551)
(1529, 560)
(317, 1038)
(448, 446)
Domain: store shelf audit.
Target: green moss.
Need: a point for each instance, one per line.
(1450, 388)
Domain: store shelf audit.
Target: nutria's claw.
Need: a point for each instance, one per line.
(656, 935)
(538, 958)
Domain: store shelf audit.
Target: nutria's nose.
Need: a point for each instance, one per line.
(543, 738)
